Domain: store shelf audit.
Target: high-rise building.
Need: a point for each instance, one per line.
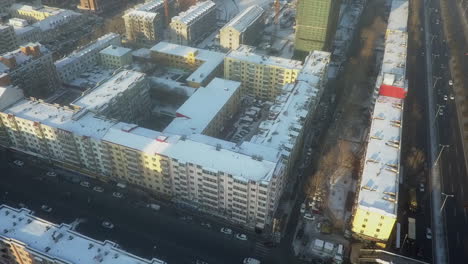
(26, 238)
(242, 29)
(8, 40)
(30, 68)
(261, 75)
(100, 6)
(194, 24)
(145, 23)
(316, 22)
(5, 7)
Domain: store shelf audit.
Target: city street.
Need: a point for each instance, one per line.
(166, 234)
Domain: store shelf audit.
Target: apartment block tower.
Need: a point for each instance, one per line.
(316, 23)
(100, 6)
(190, 26)
(30, 68)
(7, 38)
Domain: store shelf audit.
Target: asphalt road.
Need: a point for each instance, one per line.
(139, 230)
(454, 175)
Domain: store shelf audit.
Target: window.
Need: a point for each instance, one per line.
(377, 230)
(363, 226)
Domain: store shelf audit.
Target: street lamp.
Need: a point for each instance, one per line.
(436, 79)
(440, 152)
(439, 108)
(445, 200)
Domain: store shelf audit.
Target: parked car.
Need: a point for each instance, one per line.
(98, 189)
(46, 208)
(208, 225)
(51, 174)
(226, 231)
(107, 224)
(18, 163)
(85, 184)
(241, 236)
(251, 261)
(428, 233)
(450, 82)
(303, 207)
(117, 195)
(421, 187)
(153, 206)
(309, 216)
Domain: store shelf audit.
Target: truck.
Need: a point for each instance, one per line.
(413, 202)
(411, 228)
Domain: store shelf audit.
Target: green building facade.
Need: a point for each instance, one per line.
(316, 22)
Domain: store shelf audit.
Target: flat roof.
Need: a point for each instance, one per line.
(380, 174)
(100, 96)
(286, 117)
(20, 57)
(195, 11)
(244, 19)
(56, 20)
(200, 109)
(60, 241)
(81, 123)
(115, 51)
(246, 53)
(398, 18)
(185, 150)
(211, 59)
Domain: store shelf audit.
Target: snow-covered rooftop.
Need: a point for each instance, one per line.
(185, 150)
(200, 109)
(246, 53)
(60, 241)
(56, 20)
(142, 14)
(100, 96)
(380, 175)
(151, 6)
(9, 95)
(398, 18)
(244, 19)
(96, 45)
(81, 123)
(19, 56)
(194, 12)
(211, 59)
(287, 115)
(116, 51)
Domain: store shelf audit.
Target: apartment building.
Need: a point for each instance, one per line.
(123, 97)
(115, 56)
(144, 24)
(8, 40)
(243, 29)
(204, 64)
(5, 7)
(24, 32)
(192, 25)
(207, 110)
(29, 239)
(82, 59)
(101, 6)
(376, 206)
(316, 23)
(262, 76)
(34, 13)
(31, 68)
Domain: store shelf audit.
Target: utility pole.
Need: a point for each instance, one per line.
(440, 152)
(445, 200)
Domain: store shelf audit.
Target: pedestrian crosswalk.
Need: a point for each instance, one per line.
(261, 250)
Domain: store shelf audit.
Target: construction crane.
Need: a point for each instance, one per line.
(166, 11)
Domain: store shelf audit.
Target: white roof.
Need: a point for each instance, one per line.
(20, 57)
(142, 14)
(211, 59)
(59, 241)
(100, 96)
(97, 45)
(9, 95)
(286, 116)
(398, 18)
(61, 117)
(56, 20)
(246, 18)
(195, 11)
(116, 51)
(246, 53)
(200, 109)
(379, 180)
(152, 5)
(188, 151)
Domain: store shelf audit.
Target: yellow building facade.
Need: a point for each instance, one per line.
(372, 224)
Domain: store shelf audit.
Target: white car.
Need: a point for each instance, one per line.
(452, 97)
(445, 97)
(303, 207)
(450, 82)
(428, 233)
(18, 163)
(117, 195)
(84, 184)
(226, 231)
(46, 208)
(107, 224)
(251, 261)
(241, 236)
(98, 189)
(421, 187)
(51, 174)
(309, 216)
